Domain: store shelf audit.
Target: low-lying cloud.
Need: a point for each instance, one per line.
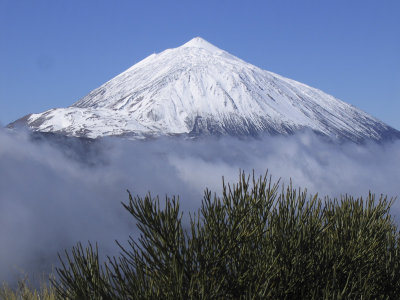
(51, 197)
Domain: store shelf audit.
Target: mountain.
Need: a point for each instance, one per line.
(199, 89)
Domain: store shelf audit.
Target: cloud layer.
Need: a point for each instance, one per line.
(52, 196)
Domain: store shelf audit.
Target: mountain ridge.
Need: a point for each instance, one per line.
(199, 89)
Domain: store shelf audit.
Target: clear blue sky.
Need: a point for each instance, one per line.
(54, 52)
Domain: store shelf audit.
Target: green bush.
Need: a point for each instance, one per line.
(25, 291)
(259, 240)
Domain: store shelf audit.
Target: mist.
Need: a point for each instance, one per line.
(52, 196)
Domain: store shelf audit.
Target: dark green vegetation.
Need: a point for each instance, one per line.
(259, 240)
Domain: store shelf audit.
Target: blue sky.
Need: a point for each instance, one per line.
(55, 52)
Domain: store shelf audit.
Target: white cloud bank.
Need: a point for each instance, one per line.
(49, 200)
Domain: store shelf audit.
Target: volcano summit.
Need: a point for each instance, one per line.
(198, 89)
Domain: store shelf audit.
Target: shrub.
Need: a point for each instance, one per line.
(26, 291)
(259, 240)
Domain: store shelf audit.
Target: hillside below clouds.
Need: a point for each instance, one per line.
(198, 89)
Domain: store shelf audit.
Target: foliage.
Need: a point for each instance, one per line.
(258, 240)
(25, 291)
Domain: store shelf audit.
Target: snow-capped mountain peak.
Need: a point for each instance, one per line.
(198, 89)
(200, 43)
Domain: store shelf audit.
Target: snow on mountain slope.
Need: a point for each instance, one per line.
(199, 89)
